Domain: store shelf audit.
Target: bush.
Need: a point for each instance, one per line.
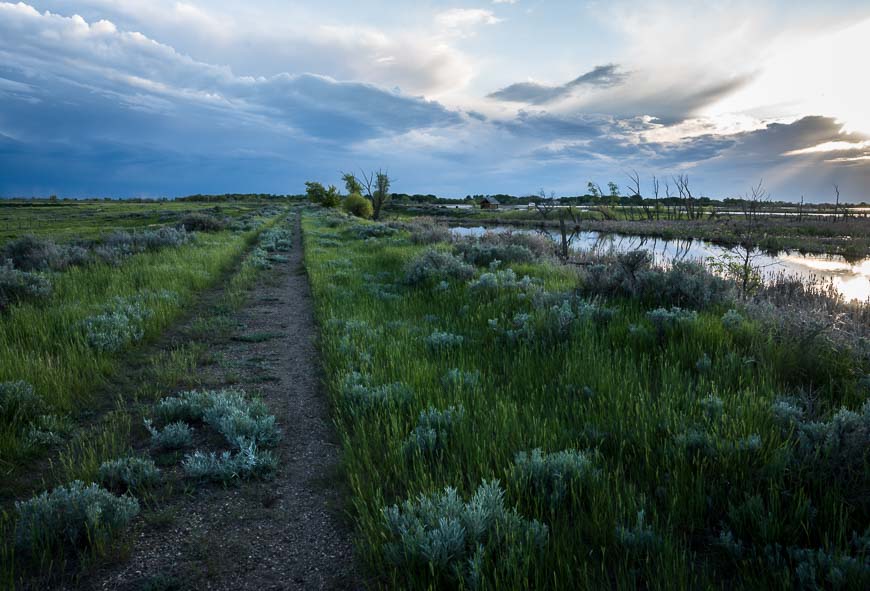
(119, 244)
(639, 539)
(128, 474)
(504, 279)
(229, 412)
(202, 222)
(174, 436)
(834, 451)
(433, 428)
(424, 231)
(685, 284)
(21, 287)
(30, 253)
(482, 253)
(440, 535)
(356, 204)
(455, 378)
(19, 404)
(276, 240)
(248, 462)
(362, 396)
(433, 265)
(551, 478)
(442, 341)
(187, 406)
(121, 324)
(77, 515)
(235, 417)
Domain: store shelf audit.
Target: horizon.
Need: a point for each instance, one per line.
(145, 99)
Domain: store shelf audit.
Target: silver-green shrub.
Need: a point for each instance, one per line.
(442, 341)
(361, 395)
(77, 515)
(433, 429)
(434, 265)
(21, 287)
(19, 404)
(442, 535)
(177, 435)
(130, 474)
(455, 378)
(248, 462)
(552, 478)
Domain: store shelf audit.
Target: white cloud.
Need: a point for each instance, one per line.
(466, 18)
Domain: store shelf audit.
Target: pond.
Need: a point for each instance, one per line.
(852, 279)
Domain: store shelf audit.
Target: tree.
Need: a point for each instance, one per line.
(315, 191)
(545, 205)
(613, 188)
(351, 184)
(377, 189)
(332, 197)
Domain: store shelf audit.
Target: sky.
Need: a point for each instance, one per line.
(154, 98)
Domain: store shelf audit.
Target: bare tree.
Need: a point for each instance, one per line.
(753, 201)
(634, 190)
(545, 205)
(655, 185)
(837, 202)
(685, 192)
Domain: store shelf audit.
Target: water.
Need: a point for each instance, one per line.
(852, 279)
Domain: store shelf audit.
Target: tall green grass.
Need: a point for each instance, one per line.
(676, 475)
(46, 345)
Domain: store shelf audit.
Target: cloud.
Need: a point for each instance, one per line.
(538, 94)
(143, 74)
(465, 18)
(266, 40)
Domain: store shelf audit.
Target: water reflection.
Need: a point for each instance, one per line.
(852, 279)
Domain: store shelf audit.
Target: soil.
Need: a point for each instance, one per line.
(290, 532)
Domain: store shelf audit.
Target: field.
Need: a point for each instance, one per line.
(489, 417)
(641, 445)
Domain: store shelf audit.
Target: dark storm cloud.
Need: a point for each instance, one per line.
(538, 94)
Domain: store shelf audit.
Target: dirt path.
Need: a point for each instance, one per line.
(287, 533)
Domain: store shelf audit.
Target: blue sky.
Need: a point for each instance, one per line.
(165, 97)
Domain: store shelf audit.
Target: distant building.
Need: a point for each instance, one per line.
(489, 203)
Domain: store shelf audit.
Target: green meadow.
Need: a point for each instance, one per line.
(526, 424)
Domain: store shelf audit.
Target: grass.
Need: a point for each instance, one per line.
(50, 347)
(689, 481)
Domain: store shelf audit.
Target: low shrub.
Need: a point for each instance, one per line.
(552, 478)
(177, 435)
(424, 231)
(188, 406)
(230, 412)
(21, 287)
(442, 341)
(202, 222)
(455, 542)
(30, 253)
(19, 404)
(248, 462)
(455, 378)
(500, 279)
(640, 538)
(432, 266)
(429, 437)
(361, 395)
(685, 284)
(483, 253)
(128, 474)
(357, 205)
(77, 515)
(121, 324)
(276, 240)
